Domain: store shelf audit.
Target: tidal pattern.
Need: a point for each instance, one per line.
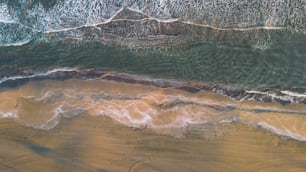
(154, 85)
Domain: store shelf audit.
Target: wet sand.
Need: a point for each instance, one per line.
(87, 143)
(67, 126)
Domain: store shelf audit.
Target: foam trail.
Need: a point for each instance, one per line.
(141, 104)
(286, 133)
(291, 93)
(18, 43)
(283, 95)
(13, 78)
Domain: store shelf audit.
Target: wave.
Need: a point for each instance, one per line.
(68, 20)
(282, 96)
(285, 133)
(18, 43)
(36, 75)
(142, 102)
(145, 17)
(71, 13)
(237, 93)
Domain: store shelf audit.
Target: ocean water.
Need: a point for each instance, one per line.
(143, 86)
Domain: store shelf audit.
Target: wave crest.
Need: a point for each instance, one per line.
(42, 104)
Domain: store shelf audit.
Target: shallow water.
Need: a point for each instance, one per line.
(280, 66)
(98, 144)
(43, 104)
(170, 130)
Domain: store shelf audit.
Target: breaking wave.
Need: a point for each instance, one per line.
(239, 94)
(138, 23)
(35, 75)
(141, 102)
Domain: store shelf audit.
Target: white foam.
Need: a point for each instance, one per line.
(4, 14)
(295, 94)
(94, 19)
(15, 44)
(185, 121)
(235, 29)
(9, 115)
(13, 78)
(8, 35)
(286, 133)
(122, 114)
(285, 95)
(64, 69)
(50, 123)
(45, 96)
(256, 92)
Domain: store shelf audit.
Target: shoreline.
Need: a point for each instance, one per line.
(43, 104)
(239, 93)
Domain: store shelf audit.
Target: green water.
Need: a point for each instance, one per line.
(282, 65)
